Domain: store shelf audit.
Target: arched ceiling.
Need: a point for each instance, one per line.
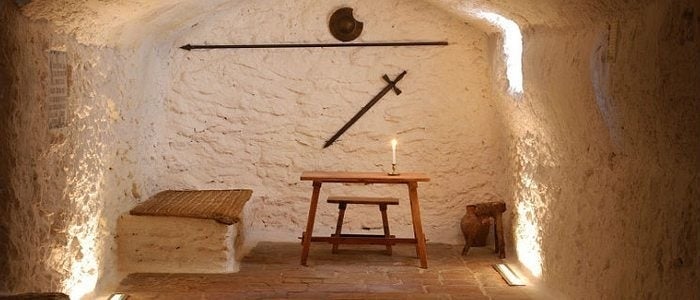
(119, 22)
(123, 23)
(554, 13)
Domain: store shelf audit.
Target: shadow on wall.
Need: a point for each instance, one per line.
(22, 2)
(7, 199)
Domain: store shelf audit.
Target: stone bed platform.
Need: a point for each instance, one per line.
(183, 232)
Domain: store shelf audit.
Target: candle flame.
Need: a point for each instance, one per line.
(394, 142)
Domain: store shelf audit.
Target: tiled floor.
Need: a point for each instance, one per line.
(272, 271)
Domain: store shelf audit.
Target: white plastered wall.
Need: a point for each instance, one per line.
(257, 118)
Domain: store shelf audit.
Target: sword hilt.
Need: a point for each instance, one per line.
(393, 83)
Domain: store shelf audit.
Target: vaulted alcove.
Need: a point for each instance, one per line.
(581, 116)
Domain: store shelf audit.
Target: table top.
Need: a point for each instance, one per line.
(362, 177)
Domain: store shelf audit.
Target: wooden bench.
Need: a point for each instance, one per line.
(343, 201)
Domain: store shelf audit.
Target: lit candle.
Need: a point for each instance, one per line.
(393, 151)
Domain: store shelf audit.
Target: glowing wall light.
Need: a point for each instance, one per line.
(527, 237)
(118, 296)
(512, 48)
(83, 271)
(83, 229)
(531, 208)
(508, 275)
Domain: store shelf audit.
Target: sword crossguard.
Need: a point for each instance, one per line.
(393, 83)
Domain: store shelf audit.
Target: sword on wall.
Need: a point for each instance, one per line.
(391, 85)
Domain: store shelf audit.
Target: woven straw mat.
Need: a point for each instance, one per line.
(224, 206)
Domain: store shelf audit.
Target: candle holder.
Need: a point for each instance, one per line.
(393, 171)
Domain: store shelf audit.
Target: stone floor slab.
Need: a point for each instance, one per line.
(272, 271)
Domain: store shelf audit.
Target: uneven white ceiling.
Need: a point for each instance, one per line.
(126, 22)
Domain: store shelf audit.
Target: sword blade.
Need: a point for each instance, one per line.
(364, 109)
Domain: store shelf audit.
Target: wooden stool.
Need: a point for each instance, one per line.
(343, 201)
(478, 216)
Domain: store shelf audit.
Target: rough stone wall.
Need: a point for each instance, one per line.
(603, 147)
(63, 189)
(258, 118)
(66, 188)
(605, 154)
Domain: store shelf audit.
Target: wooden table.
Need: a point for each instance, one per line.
(409, 179)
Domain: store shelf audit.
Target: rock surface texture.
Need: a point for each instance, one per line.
(148, 244)
(597, 160)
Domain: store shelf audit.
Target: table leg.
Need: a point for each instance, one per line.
(417, 224)
(310, 223)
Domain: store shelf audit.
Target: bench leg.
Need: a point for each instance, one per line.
(495, 234)
(501, 239)
(385, 222)
(339, 226)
